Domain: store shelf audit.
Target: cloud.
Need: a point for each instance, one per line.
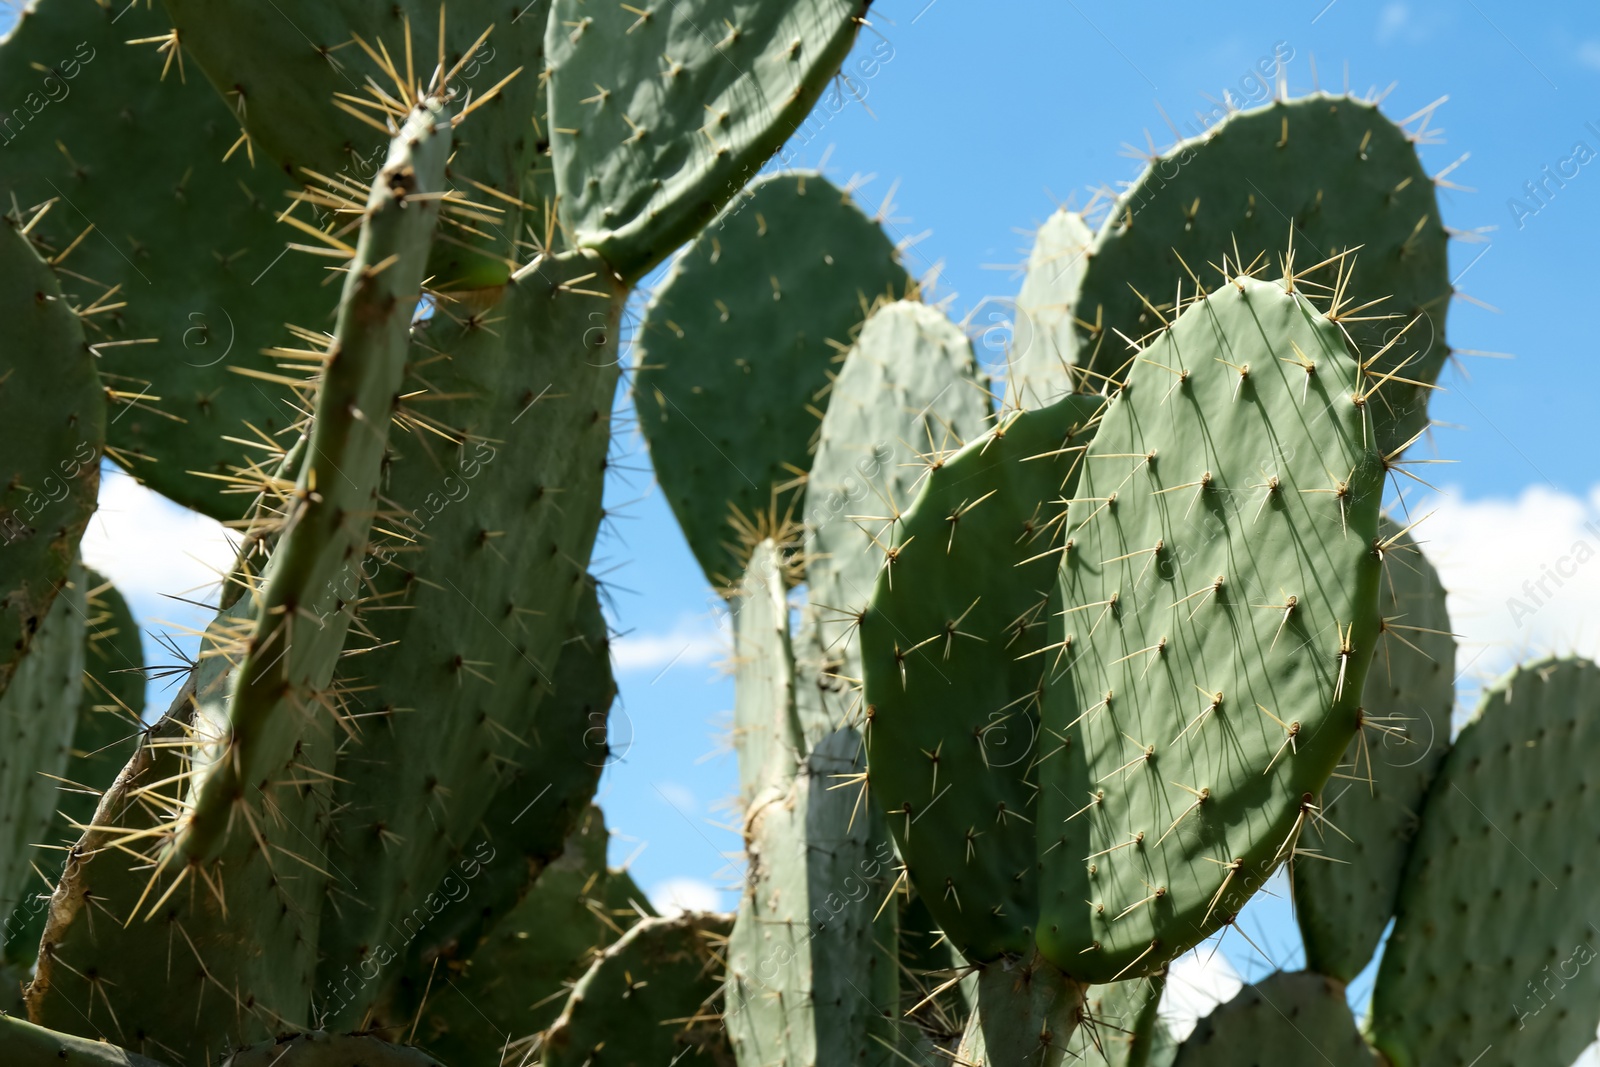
(1589, 54)
(692, 641)
(150, 546)
(1391, 21)
(679, 796)
(1523, 574)
(1197, 982)
(678, 895)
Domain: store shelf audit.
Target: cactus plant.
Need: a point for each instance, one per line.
(792, 260)
(1279, 1020)
(648, 999)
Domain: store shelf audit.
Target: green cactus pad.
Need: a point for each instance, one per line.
(251, 779)
(753, 317)
(111, 914)
(927, 962)
(809, 979)
(1343, 902)
(515, 983)
(318, 1049)
(1027, 1014)
(1330, 169)
(283, 78)
(909, 394)
(660, 113)
(1296, 1017)
(1202, 705)
(766, 734)
(37, 715)
(951, 748)
(1120, 1024)
(286, 670)
(27, 1045)
(648, 1000)
(1044, 338)
(1493, 956)
(546, 795)
(110, 704)
(184, 271)
(52, 427)
(495, 497)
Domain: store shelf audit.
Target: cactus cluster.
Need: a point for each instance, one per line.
(1074, 672)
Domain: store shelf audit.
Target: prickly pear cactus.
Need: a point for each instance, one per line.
(1288, 1018)
(1331, 170)
(473, 1008)
(1121, 1026)
(107, 707)
(808, 980)
(1345, 888)
(760, 307)
(27, 1045)
(259, 721)
(37, 715)
(660, 113)
(488, 552)
(1044, 335)
(975, 555)
(649, 999)
(290, 83)
(1492, 956)
(170, 248)
(766, 732)
(52, 425)
(909, 394)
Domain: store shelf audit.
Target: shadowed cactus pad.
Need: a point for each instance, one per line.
(649, 999)
(759, 308)
(27, 1045)
(52, 428)
(1288, 1018)
(1343, 901)
(1492, 959)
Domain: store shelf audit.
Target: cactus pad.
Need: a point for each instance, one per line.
(648, 999)
(1203, 705)
(318, 1049)
(1044, 337)
(27, 1045)
(765, 732)
(952, 727)
(752, 318)
(1330, 169)
(1492, 957)
(183, 278)
(1343, 903)
(487, 547)
(1121, 1026)
(909, 394)
(809, 981)
(1288, 1018)
(37, 715)
(52, 427)
(514, 984)
(661, 112)
(297, 87)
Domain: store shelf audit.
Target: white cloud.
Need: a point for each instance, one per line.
(1589, 54)
(677, 895)
(1523, 575)
(693, 641)
(1197, 982)
(150, 546)
(1391, 21)
(679, 796)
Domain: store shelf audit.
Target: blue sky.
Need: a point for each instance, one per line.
(983, 117)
